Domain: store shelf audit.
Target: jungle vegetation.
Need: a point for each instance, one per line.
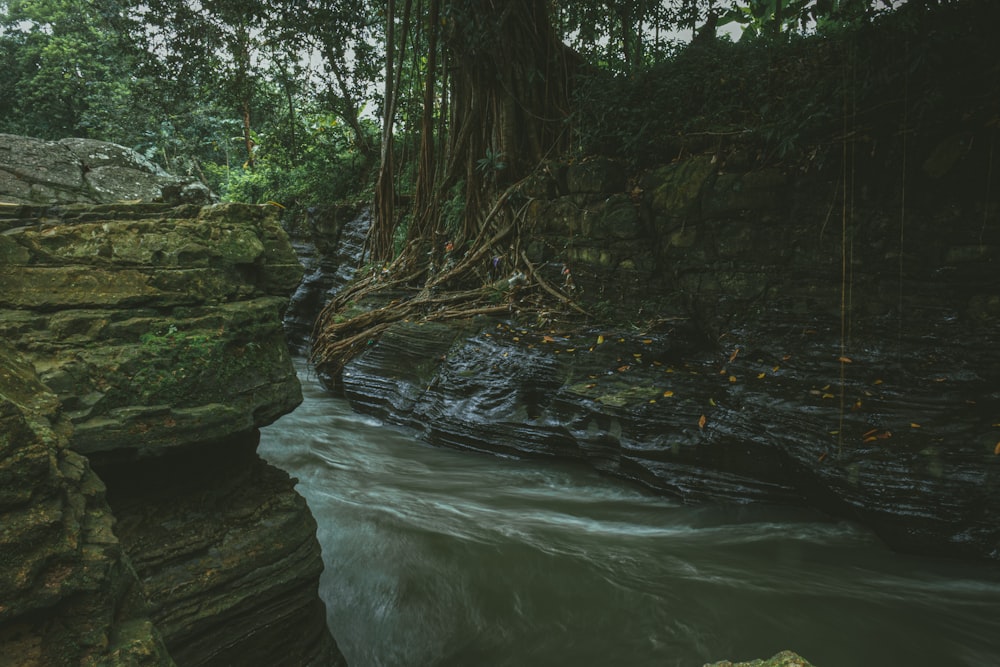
(432, 111)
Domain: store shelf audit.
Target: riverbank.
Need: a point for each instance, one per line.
(438, 556)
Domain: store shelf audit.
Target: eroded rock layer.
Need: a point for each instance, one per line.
(793, 342)
(158, 332)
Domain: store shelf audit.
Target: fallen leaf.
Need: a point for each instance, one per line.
(878, 381)
(732, 357)
(668, 393)
(775, 369)
(996, 450)
(845, 360)
(711, 402)
(732, 378)
(647, 341)
(868, 433)
(600, 340)
(622, 369)
(822, 457)
(915, 425)
(548, 339)
(652, 400)
(761, 376)
(703, 419)
(870, 439)
(828, 395)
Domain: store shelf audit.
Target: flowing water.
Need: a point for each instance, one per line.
(440, 557)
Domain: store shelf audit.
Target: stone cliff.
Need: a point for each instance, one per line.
(794, 341)
(142, 350)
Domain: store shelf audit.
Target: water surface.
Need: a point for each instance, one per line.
(437, 557)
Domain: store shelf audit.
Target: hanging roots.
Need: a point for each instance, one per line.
(341, 332)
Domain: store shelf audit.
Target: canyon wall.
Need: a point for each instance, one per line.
(142, 350)
(756, 334)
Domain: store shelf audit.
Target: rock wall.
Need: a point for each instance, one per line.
(68, 595)
(793, 341)
(157, 330)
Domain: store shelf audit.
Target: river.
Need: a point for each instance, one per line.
(436, 557)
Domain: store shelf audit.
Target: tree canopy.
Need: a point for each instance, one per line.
(432, 110)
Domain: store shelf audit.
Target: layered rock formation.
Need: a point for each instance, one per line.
(68, 595)
(794, 341)
(157, 330)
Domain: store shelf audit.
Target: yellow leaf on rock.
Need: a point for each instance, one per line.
(760, 376)
(703, 420)
(600, 340)
(996, 450)
(668, 394)
(914, 425)
(732, 378)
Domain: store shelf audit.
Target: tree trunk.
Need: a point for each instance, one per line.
(510, 98)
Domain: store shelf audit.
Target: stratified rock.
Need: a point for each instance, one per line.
(163, 327)
(784, 360)
(68, 595)
(34, 171)
(158, 330)
(227, 554)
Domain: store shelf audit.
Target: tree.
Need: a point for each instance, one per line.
(67, 70)
(508, 100)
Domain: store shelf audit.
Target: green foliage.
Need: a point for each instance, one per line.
(178, 364)
(492, 163)
(779, 97)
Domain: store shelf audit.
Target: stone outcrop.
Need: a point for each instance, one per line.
(783, 659)
(158, 332)
(67, 593)
(68, 171)
(798, 344)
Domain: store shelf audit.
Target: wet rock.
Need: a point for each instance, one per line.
(786, 358)
(329, 244)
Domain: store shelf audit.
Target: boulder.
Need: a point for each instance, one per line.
(783, 659)
(35, 171)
